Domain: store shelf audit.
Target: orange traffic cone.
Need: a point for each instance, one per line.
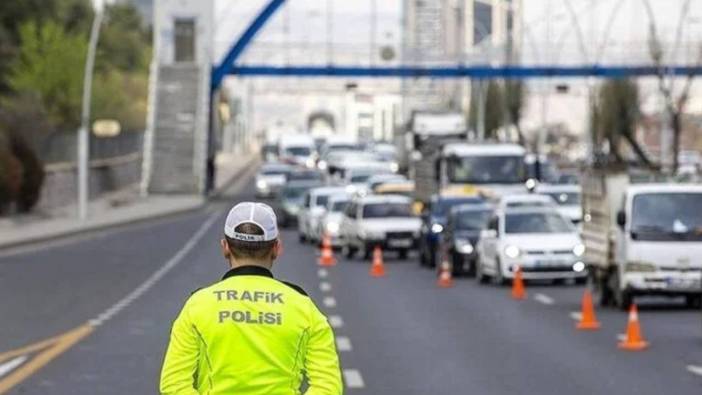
(377, 268)
(327, 255)
(445, 277)
(518, 291)
(588, 321)
(634, 340)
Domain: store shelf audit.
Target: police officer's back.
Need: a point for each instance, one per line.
(250, 333)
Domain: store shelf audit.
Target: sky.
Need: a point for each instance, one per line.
(549, 35)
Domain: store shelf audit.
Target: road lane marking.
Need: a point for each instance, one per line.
(336, 321)
(343, 343)
(353, 378)
(9, 366)
(44, 352)
(544, 299)
(325, 286)
(621, 337)
(329, 301)
(576, 315)
(51, 348)
(156, 276)
(695, 369)
(322, 273)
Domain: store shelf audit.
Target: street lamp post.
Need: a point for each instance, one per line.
(84, 131)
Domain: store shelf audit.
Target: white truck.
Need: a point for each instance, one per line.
(641, 239)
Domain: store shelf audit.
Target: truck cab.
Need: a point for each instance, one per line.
(494, 170)
(642, 239)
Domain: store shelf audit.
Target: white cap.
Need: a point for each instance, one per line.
(259, 214)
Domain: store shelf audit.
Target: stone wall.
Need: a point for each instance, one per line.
(106, 175)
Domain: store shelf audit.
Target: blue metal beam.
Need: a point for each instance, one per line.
(481, 71)
(224, 68)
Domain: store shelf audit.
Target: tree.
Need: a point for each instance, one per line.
(675, 101)
(493, 109)
(50, 64)
(614, 118)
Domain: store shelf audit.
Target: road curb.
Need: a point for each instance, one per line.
(82, 229)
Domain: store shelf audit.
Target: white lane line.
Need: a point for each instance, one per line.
(324, 286)
(343, 343)
(336, 321)
(353, 378)
(322, 273)
(621, 336)
(156, 276)
(329, 301)
(544, 299)
(695, 369)
(576, 315)
(10, 365)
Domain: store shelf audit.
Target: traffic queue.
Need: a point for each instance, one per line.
(474, 208)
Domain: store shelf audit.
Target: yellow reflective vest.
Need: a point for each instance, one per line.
(250, 334)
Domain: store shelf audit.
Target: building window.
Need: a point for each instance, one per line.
(185, 40)
(482, 18)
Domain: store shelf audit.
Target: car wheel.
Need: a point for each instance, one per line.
(693, 301)
(457, 264)
(431, 254)
(599, 288)
(402, 254)
(349, 251)
(302, 238)
(470, 271)
(366, 252)
(622, 298)
(423, 259)
(499, 277)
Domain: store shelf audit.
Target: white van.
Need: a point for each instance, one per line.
(297, 149)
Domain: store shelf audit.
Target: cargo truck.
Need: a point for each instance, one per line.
(641, 238)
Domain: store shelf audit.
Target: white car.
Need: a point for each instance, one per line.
(271, 178)
(541, 241)
(567, 197)
(386, 221)
(525, 200)
(297, 149)
(356, 178)
(312, 210)
(330, 223)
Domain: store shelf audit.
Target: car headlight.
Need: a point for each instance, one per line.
(322, 165)
(579, 250)
(437, 228)
(640, 267)
(578, 266)
(332, 227)
(261, 184)
(512, 251)
(310, 162)
(394, 167)
(464, 246)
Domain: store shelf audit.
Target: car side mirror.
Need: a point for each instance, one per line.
(621, 219)
(488, 234)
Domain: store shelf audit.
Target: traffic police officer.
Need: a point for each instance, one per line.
(250, 333)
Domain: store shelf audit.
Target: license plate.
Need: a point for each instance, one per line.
(682, 283)
(549, 263)
(399, 243)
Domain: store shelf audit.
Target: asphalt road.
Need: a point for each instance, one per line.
(400, 334)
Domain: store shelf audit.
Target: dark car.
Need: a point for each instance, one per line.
(462, 232)
(434, 221)
(291, 199)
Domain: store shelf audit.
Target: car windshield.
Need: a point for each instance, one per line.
(344, 147)
(277, 171)
(472, 219)
(565, 198)
(548, 172)
(305, 175)
(298, 151)
(528, 203)
(537, 223)
(667, 217)
(385, 210)
(322, 200)
(359, 178)
(339, 206)
(442, 206)
(487, 170)
(295, 192)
